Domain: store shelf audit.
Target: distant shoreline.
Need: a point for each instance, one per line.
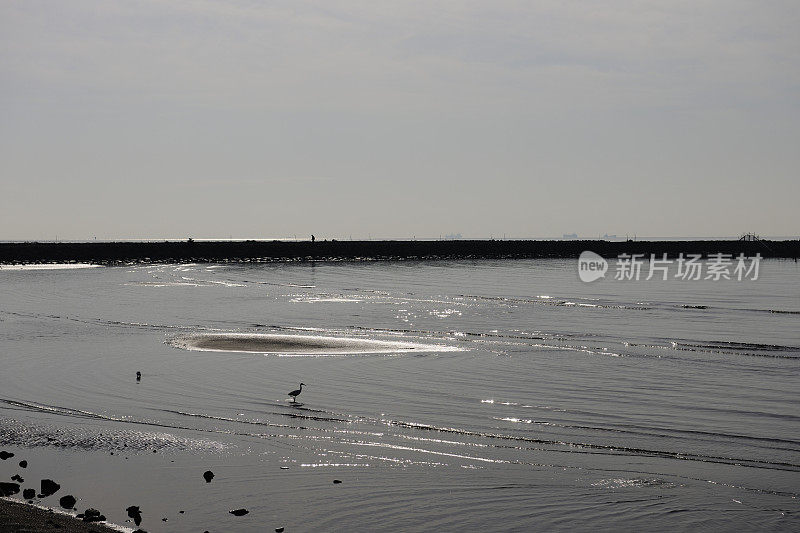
(110, 253)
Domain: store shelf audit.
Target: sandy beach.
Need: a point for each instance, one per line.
(18, 517)
(297, 344)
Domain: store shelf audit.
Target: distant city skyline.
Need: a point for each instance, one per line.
(351, 119)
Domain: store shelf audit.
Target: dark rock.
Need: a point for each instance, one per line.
(16, 477)
(28, 494)
(279, 530)
(337, 481)
(23, 464)
(67, 502)
(239, 512)
(5, 455)
(49, 487)
(181, 512)
(140, 531)
(164, 519)
(93, 515)
(208, 475)
(8, 489)
(135, 513)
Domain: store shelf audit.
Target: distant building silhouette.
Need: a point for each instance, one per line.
(749, 237)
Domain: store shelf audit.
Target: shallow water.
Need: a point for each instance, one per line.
(529, 400)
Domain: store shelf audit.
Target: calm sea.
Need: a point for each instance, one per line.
(526, 400)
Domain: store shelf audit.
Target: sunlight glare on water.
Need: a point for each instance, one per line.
(470, 394)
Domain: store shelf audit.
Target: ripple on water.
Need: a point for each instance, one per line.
(638, 482)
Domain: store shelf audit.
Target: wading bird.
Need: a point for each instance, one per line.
(295, 393)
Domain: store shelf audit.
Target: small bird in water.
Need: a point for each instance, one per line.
(138, 376)
(295, 393)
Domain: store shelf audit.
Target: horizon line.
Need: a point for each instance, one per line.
(607, 238)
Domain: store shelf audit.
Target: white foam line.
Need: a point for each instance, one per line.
(315, 299)
(50, 266)
(423, 450)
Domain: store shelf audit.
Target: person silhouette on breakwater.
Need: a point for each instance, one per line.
(313, 238)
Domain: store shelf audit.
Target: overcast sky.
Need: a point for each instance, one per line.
(154, 119)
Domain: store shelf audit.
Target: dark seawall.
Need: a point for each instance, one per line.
(214, 251)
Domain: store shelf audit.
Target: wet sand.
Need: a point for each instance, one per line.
(297, 344)
(16, 517)
(215, 251)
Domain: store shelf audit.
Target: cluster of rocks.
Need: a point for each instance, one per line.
(9, 489)
(48, 487)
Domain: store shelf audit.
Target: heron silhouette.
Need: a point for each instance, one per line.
(295, 393)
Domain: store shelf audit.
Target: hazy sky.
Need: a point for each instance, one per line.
(152, 119)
